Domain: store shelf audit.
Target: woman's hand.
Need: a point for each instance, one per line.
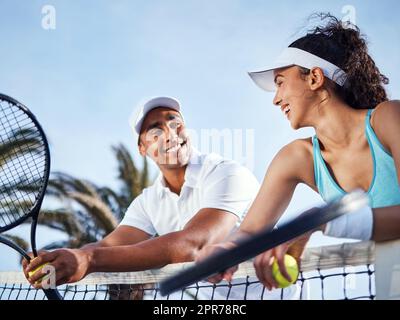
(263, 262)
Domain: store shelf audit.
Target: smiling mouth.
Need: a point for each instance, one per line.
(176, 147)
(286, 110)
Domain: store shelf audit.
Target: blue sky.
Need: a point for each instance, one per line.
(84, 78)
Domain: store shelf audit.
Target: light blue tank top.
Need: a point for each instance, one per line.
(384, 190)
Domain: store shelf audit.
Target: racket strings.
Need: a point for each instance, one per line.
(22, 163)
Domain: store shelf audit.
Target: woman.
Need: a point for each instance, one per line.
(328, 81)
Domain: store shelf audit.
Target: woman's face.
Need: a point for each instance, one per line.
(294, 96)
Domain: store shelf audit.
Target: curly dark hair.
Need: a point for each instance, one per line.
(343, 45)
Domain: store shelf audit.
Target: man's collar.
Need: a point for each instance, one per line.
(191, 174)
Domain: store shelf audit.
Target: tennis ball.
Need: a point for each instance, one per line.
(30, 273)
(292, 269)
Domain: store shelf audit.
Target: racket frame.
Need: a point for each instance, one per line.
(52, 294)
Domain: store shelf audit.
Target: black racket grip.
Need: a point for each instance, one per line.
(52, 294)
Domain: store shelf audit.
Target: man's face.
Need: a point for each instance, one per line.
(164, 139)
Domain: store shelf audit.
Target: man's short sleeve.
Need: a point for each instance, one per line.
(230, 187)
(136, 216)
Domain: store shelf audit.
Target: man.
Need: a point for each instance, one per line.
(197, 200)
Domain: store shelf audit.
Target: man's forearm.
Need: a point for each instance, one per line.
(91, 245)
(101, 244)
(150, 254)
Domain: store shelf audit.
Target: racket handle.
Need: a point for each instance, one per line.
(52, 294)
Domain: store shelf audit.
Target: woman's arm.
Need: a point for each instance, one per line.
(292, 165)
(386, 124)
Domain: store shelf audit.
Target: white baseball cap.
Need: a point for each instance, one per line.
(145, 108)
(293, 56)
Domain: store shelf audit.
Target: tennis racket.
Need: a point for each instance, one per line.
(24, 172)
(265, 240)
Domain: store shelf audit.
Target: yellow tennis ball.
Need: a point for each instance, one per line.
(292, 269)
(30, 273)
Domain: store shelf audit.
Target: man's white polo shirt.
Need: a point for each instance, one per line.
(210, 182)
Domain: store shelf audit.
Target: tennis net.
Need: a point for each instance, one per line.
(337, 272)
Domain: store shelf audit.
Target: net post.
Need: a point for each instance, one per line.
(387, 270)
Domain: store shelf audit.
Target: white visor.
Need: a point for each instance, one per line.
(138, 116)
(297, 57)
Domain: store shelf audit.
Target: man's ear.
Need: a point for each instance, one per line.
(316, 78)
(142, 148)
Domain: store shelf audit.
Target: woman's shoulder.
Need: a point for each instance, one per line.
(300, 147)
(298, 152)
(387, 110)
(385, 121)
(296, 159)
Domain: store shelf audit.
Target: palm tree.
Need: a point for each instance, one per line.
(84, 211)
(90, 212)
(15, 144)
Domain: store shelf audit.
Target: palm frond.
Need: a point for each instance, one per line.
(18, 241)
(145, 179)
(20, 142)
(70, 243)
(61, 220)
(116, 202)
(57, 245)
(99, 211)
(128, 173)
(64, 183)
(86, 211)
